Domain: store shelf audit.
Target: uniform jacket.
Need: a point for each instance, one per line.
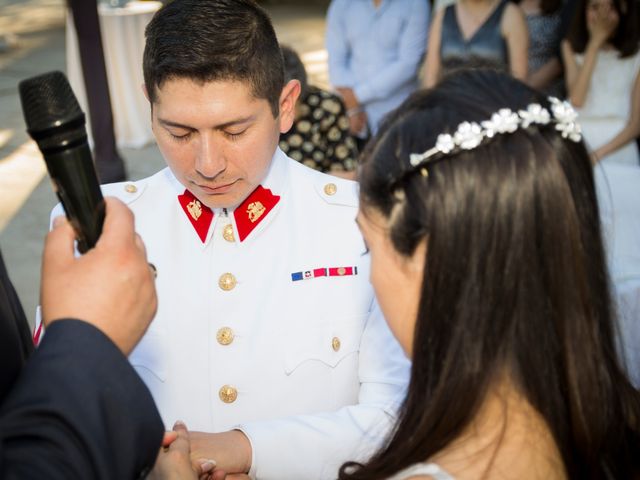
(75, 409)
(266, 320)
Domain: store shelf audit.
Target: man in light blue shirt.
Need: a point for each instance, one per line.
(375, 50)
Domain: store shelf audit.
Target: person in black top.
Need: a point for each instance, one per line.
(319, 137)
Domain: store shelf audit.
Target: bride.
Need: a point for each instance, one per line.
(479, 212)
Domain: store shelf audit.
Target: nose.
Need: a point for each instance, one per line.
(210, 160)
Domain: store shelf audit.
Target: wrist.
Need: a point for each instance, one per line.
(595, 42)
(245, 450)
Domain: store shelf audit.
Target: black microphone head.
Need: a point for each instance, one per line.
(50, 108)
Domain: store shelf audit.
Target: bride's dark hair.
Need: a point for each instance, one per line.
(514, 281)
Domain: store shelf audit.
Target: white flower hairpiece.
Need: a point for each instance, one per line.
(469, 135)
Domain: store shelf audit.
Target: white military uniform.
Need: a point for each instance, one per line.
(265, 320)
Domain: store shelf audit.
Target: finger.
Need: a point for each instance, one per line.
(219, 475)
(59, 245)
(169, 438)
(118, 222)
(180, 428)
(140, 244)
(203, 466)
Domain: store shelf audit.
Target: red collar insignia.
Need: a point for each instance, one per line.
(198, 214)
(253, 210)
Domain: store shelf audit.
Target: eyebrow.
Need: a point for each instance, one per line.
(222, 126)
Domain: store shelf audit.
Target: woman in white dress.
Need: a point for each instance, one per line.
(479, 212)
(602, 66)
(602, 75)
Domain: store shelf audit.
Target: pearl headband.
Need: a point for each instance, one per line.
(471, 134)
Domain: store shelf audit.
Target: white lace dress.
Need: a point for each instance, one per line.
(618, 189)
(431, 469)
(608, 104)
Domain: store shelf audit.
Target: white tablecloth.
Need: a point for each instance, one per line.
(123, 42)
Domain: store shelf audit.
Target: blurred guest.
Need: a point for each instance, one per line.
(512, 342)
(602, 66)
(545, 33)
(477, 33)
(319, 137)
(375, 50)
(602, 69)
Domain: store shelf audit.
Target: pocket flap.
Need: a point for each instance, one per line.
(328, 342)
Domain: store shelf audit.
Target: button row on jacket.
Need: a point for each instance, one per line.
(228, 394)
(227, 282)
(225, 336)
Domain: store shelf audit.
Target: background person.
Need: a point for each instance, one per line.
(602, 74)
(375, 50)
(514, 369)
(545, 26)
(319, 137)
(477, 33)
(76, 409)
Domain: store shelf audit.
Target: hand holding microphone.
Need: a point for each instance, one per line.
(111, 286)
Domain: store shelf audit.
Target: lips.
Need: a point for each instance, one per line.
(216, 189)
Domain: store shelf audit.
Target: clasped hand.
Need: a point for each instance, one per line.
(202, 456)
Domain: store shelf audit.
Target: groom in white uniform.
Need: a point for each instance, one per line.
(266, 335)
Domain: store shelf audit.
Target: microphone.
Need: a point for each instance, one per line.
(56, 122)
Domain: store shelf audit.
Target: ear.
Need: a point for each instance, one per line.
(288, 99)
(146, 93)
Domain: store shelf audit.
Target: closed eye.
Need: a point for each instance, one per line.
(181, 138)
(232, 135)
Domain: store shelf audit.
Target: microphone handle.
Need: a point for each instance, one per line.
(76, 185)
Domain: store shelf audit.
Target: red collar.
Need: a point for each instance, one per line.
(198, 214)
(248, 215)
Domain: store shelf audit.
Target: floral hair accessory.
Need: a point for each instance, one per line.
(469, 135)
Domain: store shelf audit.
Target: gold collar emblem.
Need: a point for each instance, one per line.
(255, 210)
(195, 209)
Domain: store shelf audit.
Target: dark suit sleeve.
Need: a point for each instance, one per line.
(15, 338)
(78, 411)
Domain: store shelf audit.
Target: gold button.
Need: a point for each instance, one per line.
(225, 336)
(227, 282)
(330, 189)
(228, 394)
(130, 188)
(227, 233)
(342, 271)
(335, 344)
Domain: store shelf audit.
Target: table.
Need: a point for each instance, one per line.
(122, 31)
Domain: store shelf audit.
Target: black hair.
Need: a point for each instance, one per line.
(514, 280)
(211, 40)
